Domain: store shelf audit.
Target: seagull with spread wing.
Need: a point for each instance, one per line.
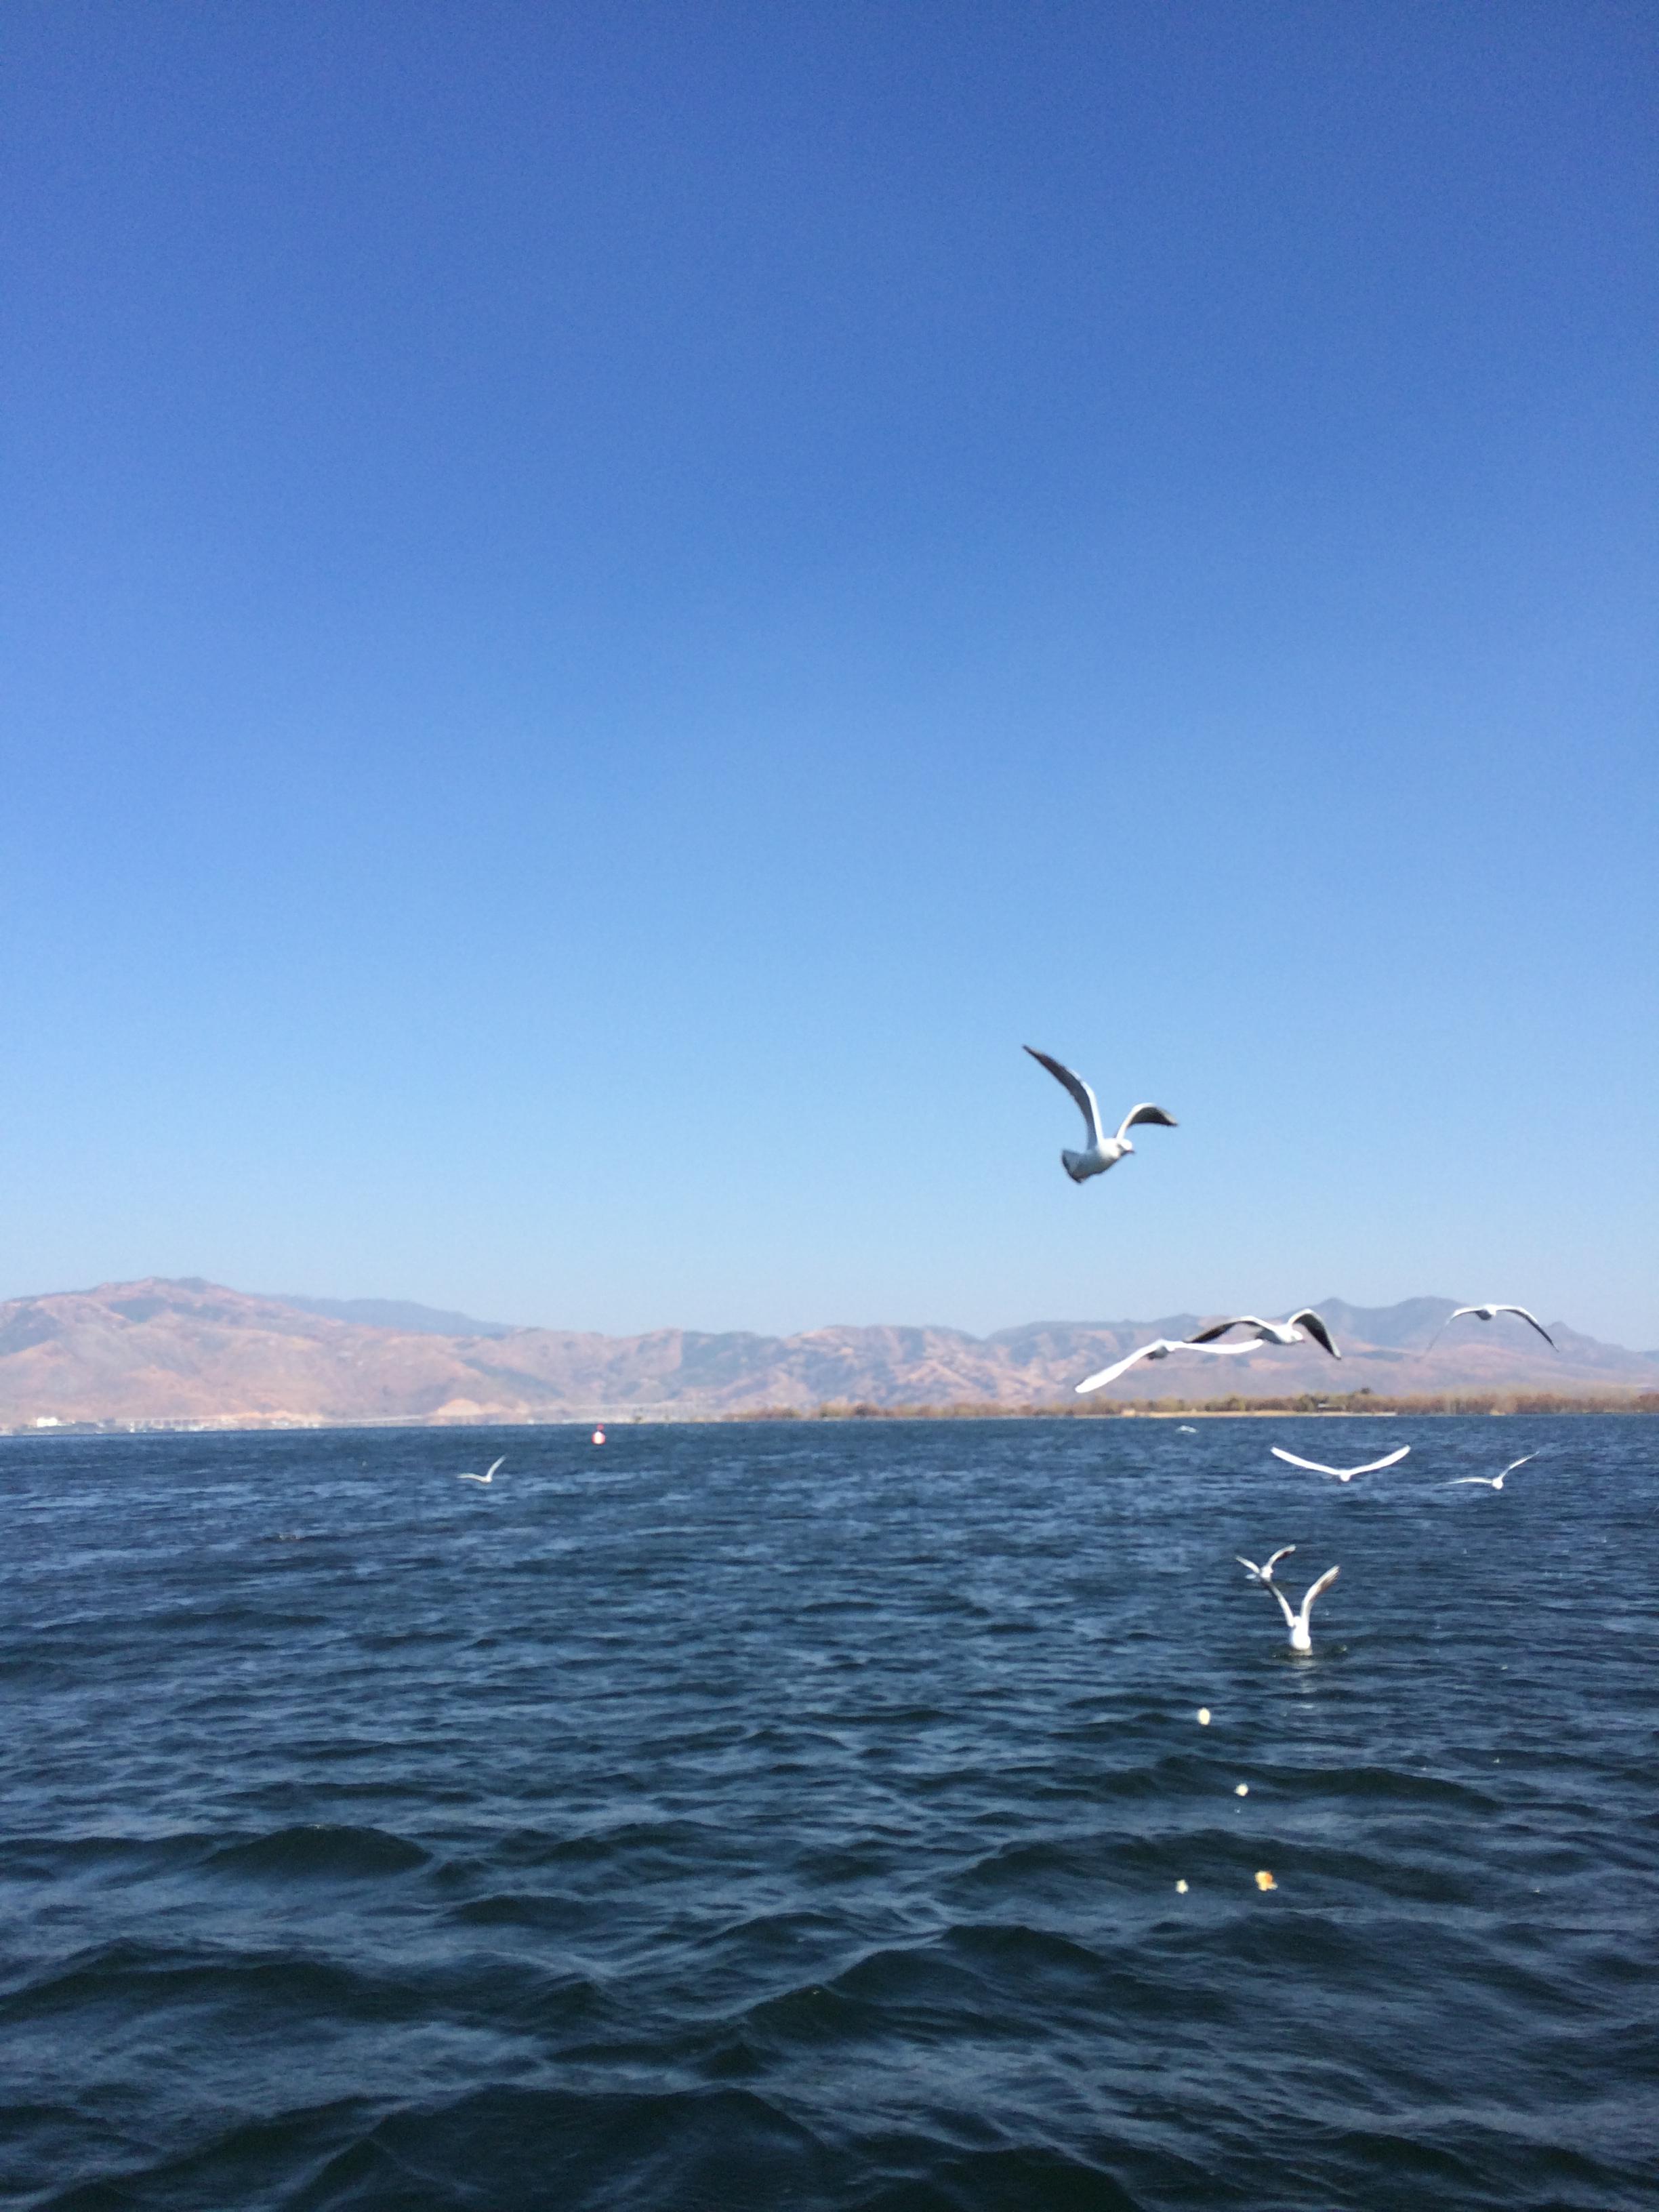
(1493, 1481)
(1342, 1474)
(1490, 1313)
(1264, 1574)
(490, 1477)
(1160, 1348)
(1297, 1329)
(1102, 1151)
(1297, 1620)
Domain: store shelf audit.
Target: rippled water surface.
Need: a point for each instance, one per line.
(793, 1815)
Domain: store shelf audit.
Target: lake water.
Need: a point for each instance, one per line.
(792, 1815)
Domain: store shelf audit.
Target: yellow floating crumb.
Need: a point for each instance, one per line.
(1264, 1880)
(1204, 1716)
(1181, 1889)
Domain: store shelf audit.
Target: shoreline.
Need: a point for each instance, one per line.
(1449, 1405)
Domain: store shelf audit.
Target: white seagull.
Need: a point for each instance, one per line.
(1264, 1575)
(1297, 1329)
(1490, 1313)
(1342, 1474)
(1494, 1481)
(1160, 1348)
(1297, 1621)
(1104, 1151)
(490, 1477)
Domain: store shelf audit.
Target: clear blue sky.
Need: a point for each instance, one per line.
(608, 608)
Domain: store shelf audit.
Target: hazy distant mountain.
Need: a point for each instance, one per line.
(397, 1313)
(192, 1350)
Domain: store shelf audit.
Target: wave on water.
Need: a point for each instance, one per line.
(820, 1817)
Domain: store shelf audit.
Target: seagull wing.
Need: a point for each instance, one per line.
(1483, 1313)
(1264, 1573)
(1513, 1464)
(495, 1464)
(1088, 1105)
(1153, 1350)
(473, 1478)
(1313, 1466)
(1532, 1321)
(1316, 1327)
(1284, 1604)
(1371, 1466)
(1491, 1480)
(1146, 1112)
(1323, 1583)
(1220, 1327)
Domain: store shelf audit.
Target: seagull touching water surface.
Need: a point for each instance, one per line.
(1297, 1620)
(1102, 1151)
(488, 1477)
(1492, 1481)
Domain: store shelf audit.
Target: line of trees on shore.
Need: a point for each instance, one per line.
(1357, 1401)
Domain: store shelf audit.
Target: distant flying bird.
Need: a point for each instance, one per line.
(1159, 1349)
(490, 1477)
(1184, 1431)
(1493, 1481)
(1342, 1474)
(1297, 1621)
(1296, 1330)
(1104, 1151)
(1489, 1313)
(1264, 1574)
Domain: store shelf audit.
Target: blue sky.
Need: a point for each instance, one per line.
(608, 609)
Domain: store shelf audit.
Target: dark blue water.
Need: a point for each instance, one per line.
(792, 1815)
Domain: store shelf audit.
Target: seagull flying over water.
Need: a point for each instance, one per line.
(1102, 1151)
(1342, 1474)
(1490, 1313)
(1297, 1621)
(490, 1477)
(1264, 1574)
(1160, 1348)
(1494, 1481)
(1297, 1329)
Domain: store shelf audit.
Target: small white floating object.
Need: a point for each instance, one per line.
(599, 1436)
(1181, 1889)
(1204, 1716)
(1241, 1790)
(1264, 1879)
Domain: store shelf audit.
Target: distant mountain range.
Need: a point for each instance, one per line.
(159, 1351)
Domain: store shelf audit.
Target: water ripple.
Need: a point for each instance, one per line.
(795, 1816)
